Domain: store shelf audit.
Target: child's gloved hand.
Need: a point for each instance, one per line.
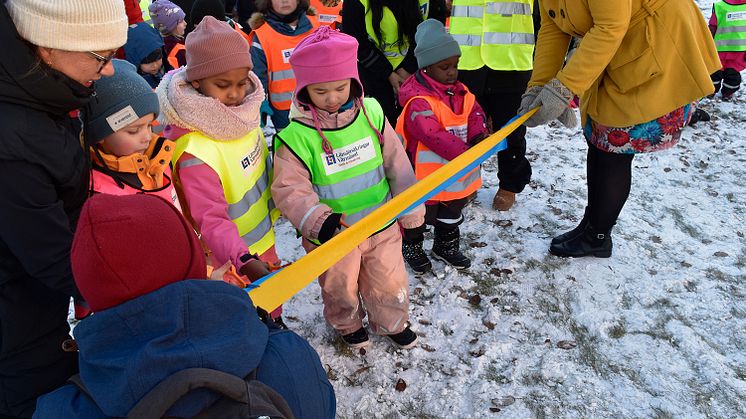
(254, 269)
(554, 99)
(331, 224)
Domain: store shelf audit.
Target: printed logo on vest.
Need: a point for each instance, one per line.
(461, 131)
(348, 157)
(323, 18)
(731, 16)
(122, 118)
(286, 53)
(251, 160)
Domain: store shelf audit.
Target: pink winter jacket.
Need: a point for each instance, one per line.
(421, 125)
(734, 60)
(184, 110)
(293, 193)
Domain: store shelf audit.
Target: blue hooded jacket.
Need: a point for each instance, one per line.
(142, 40)
(128, 349)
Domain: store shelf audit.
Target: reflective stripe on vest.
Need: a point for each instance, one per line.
(280, 77)
(427, 161)
(173, 58)
(731, 31)
(144, 4)
(498, 34)
(393, 48)
(330, 16)
(244, 168)
(103, 183)
(352, 180)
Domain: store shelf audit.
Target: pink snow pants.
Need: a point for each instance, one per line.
(372, 278)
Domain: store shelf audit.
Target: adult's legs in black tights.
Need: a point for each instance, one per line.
(609, 182)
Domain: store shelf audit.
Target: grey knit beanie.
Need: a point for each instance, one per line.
(434, 43)
(120, 100)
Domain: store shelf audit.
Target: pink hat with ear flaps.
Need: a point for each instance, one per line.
(323, 56)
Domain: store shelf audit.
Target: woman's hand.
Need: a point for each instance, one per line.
(554, 99)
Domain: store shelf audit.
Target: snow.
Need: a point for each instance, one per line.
(658, 330)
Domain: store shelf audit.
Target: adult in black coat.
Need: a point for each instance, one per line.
(381, 76)
(43, 184)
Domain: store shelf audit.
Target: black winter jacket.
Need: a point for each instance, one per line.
(43, 184)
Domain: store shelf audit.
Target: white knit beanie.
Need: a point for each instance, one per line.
(71, 25)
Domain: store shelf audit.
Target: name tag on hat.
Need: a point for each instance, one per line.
(122, 118)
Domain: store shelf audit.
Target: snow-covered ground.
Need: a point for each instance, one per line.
(658, 330)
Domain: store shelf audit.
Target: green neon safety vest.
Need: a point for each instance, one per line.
(145, 11)
(498, 34)
(393, 48)
(731, 32)
(352, 180)
(244, 168)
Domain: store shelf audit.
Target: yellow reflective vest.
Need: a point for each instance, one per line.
(244, 168)
(393, 48)
(498, 34)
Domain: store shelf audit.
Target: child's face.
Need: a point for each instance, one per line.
(329, 96)
(230, 88)
(284, 7)
(445, 71)
(180, 28)
(134, 138)
(152, 68)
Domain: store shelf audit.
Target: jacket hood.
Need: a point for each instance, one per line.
(182, 105)
(420, 84)
(25, 81)
(142, 40)
(128, 349)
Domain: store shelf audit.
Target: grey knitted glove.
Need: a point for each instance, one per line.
(528, 98)
(554, 99)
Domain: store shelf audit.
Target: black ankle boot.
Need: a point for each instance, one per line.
(446, 248)
(575, 232)
(590, 243)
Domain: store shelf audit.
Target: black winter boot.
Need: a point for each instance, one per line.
(414, 254)
(590, 243)
(446, 248)
(575, 232)
(416, 258)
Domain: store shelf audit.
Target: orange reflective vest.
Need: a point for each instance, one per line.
(426, 161)
(280, 77)
(173, 58)
(330, 16)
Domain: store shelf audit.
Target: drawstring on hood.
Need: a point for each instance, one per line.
(325, 56)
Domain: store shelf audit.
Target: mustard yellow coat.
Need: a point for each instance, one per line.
(634, 63)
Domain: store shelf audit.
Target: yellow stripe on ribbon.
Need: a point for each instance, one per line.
(273, 290)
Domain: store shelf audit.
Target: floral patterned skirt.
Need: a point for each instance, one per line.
(655, 135)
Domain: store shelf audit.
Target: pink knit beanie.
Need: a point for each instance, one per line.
(214, 48)
(323, 56)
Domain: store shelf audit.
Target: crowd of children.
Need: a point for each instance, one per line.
(338, 154)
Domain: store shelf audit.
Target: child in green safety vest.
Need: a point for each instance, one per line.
(222, 167)
(337, 161)
(728, 27)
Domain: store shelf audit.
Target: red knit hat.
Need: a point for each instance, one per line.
(214, 48)
(127, 246)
